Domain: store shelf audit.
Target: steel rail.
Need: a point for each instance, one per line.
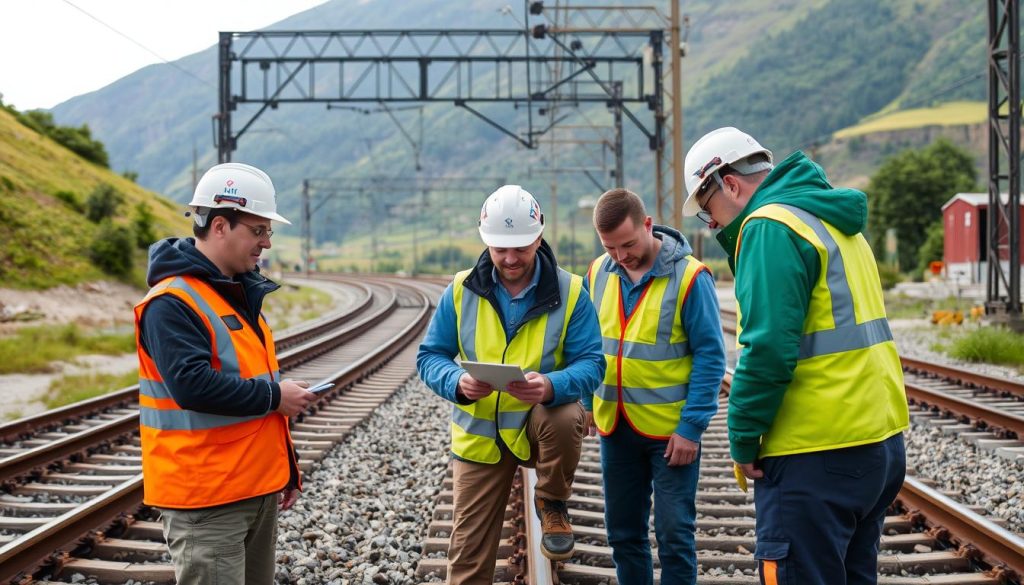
(967, 377)
(998, 546)
(1010, 423)
(37, 545)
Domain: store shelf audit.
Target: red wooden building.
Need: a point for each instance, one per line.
(965, 252)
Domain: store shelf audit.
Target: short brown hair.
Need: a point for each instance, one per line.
(615, 206)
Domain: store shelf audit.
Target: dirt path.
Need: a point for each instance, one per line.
(94, 304)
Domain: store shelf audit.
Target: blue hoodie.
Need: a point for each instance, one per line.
(179, 343)
(701, 321)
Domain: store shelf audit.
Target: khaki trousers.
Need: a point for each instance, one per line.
(231, 544)
(482, 490)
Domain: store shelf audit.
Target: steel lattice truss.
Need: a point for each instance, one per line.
(271, 68)
(1004, 115)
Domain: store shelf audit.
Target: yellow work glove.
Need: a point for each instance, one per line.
(741, 480)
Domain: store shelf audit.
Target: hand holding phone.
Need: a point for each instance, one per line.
(319, 388)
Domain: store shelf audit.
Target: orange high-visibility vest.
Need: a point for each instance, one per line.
(195, 459)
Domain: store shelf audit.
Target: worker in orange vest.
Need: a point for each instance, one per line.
(217, 458)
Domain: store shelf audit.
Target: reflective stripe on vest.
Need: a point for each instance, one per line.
(847, 387)
(647, 354)
(535, 346)
(193, 459)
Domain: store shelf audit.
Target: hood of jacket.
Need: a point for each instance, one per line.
(674, 248)
(180, 257)
(801, 182)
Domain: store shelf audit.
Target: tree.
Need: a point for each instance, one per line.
(932, 248)
(907, 193)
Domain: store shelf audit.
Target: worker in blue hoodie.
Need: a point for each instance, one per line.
(515, 306)
(217, 457)
(662, 340)
(817, 407)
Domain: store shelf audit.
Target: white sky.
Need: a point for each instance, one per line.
(50, 51)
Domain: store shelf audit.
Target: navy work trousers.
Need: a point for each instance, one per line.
(631, 466)
(819, 515)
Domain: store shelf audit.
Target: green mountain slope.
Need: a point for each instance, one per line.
(790, 71)
(44, 241)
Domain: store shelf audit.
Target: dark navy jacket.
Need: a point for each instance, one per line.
(179, 343)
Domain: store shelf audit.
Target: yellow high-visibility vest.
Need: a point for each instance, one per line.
(537, 345)
(847, 388)
(647, 355)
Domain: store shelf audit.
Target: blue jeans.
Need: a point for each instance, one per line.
(820, 514)
(631, 466)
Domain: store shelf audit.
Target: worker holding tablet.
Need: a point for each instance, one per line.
(516, 306)
(666, 358)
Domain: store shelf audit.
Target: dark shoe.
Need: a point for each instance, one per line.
(557, 541)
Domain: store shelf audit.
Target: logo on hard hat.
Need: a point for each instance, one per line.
(534, 209)
(699, 173)
(508, 223)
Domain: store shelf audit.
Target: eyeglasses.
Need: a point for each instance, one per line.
(705, 215)
(258, 230)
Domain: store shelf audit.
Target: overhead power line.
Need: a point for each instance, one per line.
(140, 45)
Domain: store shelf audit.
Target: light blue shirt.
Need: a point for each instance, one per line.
(584, 360)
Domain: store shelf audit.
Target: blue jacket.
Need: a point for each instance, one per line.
(701, 321)
(179, 343)
(584, 360)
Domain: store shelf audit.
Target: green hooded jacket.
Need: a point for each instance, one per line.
(778, 271)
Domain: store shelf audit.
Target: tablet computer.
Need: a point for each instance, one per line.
(497, 375)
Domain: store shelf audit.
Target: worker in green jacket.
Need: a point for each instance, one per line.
(817, 407)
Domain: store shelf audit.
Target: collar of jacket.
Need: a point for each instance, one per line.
(546, 297)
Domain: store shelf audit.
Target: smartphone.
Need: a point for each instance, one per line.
(320, 387)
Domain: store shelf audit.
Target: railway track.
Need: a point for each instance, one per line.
(988, 403)
(88, 482)
(929, 538)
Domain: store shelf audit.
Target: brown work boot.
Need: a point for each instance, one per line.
(557, 541)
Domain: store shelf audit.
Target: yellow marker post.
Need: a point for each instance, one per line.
(741, 480)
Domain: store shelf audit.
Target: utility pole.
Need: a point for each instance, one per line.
(307, 231)
(676, 85)
(1003, 298)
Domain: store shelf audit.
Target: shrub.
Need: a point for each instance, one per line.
(103, 203)
(142, 224)
(78, 140)
(111, 249)
(71, 200)
(994, 345)
(889, 275)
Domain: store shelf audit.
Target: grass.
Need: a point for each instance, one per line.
(901, 306)
(46, 240)
(294, 304)
(75, 388)
(992, 345)
(32, 349)
(948, 114)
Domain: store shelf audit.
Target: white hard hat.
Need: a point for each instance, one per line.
(238, 186)
(510, 218)
(716, 149)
